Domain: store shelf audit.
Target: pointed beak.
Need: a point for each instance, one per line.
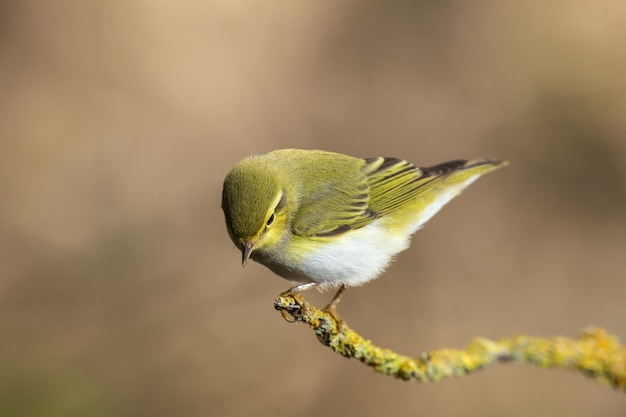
(246, 251)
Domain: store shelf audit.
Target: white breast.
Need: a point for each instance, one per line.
(353, 258)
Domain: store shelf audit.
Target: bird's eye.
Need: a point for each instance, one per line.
(270, 220)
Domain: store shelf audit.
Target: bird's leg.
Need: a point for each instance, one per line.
(294, 292)
(331, 308)
(301, 287)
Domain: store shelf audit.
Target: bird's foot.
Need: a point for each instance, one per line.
(331, 308)
(293, 312)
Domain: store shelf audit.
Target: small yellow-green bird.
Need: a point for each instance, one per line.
(329, 220)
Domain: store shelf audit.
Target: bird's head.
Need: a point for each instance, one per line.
(254, 205)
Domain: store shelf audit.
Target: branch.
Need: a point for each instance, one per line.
(595, 353)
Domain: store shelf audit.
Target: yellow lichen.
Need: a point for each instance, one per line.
(595, 353)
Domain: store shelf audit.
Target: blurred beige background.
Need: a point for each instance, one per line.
(120, 292)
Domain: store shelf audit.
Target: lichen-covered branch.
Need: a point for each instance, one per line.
(595, 353)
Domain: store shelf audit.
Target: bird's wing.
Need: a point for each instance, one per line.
(364, 192)
(394, 182)
(337, 204)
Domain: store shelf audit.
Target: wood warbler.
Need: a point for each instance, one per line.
(324, 219)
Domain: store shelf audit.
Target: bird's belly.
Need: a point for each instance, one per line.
(351, 259)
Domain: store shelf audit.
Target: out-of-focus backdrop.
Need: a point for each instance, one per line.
(120, 292)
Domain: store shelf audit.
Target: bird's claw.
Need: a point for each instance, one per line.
(332, 311)
(293, 311)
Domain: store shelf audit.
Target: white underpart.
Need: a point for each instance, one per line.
(355, 257)
(361, 255)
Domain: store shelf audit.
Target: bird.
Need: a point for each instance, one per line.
(328, 220)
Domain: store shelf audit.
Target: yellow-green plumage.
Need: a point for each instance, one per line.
(332, 219)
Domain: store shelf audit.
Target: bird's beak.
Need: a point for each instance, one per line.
(246, 251)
